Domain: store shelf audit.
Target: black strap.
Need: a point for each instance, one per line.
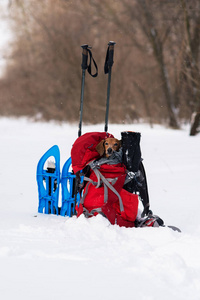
(89, 68)
(144, 192)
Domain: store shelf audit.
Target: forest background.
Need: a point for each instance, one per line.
(155, 76)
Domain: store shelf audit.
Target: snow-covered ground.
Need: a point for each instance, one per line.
(53, 257)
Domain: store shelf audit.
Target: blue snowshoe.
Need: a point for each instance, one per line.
(48, 180)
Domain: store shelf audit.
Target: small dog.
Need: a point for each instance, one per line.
(108, 146)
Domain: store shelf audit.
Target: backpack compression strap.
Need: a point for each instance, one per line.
(107, 182)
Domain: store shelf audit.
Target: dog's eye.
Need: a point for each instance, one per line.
(115, 144)
(106, 144)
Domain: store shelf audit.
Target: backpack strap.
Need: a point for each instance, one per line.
(108, 185)
(132, 175)
(107, 182)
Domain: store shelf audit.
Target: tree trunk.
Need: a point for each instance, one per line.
(158, 53)
(195, 123)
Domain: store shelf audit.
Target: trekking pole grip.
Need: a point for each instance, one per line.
(84, 64)
(111, 53)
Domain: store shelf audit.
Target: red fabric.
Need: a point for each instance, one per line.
(95, 196)
(111, 209)
(83, 149)
(124, 223)
(130, 202)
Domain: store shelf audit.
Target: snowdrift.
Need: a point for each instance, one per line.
(54, 257)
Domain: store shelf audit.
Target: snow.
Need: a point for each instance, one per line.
(53, 257)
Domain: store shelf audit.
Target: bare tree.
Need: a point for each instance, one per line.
(155, 72)
(190, 65)
(146, 30)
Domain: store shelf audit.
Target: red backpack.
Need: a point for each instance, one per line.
(84, 149)
(103, 192)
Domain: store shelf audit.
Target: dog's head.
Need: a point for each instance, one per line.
(108, 146)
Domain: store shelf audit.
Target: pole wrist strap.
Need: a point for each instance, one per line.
(89, 68)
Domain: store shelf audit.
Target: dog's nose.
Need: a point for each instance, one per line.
(109, 150)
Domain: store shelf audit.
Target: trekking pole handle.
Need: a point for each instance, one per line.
(111, 53)
(84, 64)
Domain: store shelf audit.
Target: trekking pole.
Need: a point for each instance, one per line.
(85, 66)
(108, 69)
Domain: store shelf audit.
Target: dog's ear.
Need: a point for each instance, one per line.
(100, 148)
(120, 144)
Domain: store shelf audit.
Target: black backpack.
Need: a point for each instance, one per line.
(137, 182)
